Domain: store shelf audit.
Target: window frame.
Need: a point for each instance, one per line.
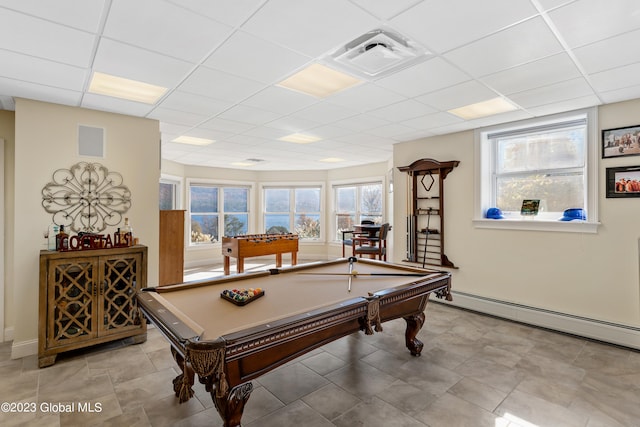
(220, 185)
(292, 201)
(176, 182)
(484, 192)
(354, 183)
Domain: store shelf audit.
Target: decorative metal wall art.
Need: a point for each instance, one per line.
(86, 197)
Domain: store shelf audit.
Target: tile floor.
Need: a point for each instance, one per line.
(474, 371)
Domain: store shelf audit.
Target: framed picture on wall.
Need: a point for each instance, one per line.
(623, 182)
(621, 142)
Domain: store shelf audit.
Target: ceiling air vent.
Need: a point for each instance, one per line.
(377, 53)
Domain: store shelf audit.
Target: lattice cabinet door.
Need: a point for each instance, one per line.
(120, 279)
(72, 309)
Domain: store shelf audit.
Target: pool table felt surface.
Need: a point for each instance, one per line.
(286, 294)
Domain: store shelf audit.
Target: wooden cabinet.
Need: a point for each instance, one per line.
(171, 269)
(89, 297)
(425, 211)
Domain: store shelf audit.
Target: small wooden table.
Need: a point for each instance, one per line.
(252, 245)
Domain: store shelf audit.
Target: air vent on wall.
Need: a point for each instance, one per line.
(377, 53)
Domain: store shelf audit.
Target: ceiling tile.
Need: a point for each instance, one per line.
(308, 26)
(139, 64)
(280, 100)
(621, 94)
(385, 9)
(567, 105)
(44, 39)
(83, 15)
(218, 85)
(230, 12)
(192, 103)
(457, 96)
(325, 113)
(432, 121)
(20, 89)
(165, 28)
(587, 21)
(115, 105)
(361, 122)
(294, 124)
(617, 78)
(522, 43)
(430, 22)
(425, 77)
(229, 126)
(543, 72)
(403, 110)
(28, 68)
(365, 97)
(557, 92)
(610, 53)
(254, 58)
(246, 114)
(177, 117)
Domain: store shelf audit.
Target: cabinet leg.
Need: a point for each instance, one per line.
(45, 361)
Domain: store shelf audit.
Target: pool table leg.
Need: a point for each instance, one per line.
(231, 405)
(414, 324)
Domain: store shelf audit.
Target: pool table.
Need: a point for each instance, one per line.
(303, 308)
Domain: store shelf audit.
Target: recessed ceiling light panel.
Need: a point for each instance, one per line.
(192, 140)
(483, 109)
(118, 87)
(319, 81)
(300, 138)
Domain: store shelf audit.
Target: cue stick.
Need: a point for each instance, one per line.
(369, 274)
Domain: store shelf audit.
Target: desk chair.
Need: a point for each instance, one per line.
(349, 241)
(376, 246)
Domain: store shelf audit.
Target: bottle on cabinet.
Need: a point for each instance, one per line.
(62, 240)
(126, 234)
(51, 236)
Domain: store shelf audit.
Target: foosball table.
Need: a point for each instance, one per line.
(252, 245)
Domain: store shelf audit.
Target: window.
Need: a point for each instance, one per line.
(213, 208)
(169, 194)
(355, 203)
(293, 210)
(550, 159)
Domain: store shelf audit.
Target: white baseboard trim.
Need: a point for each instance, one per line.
(24, 348)
(624, 335)
(8, 334)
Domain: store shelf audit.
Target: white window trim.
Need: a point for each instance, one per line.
(179, 181)
(482, 189)
(221, 183)
(290, 185)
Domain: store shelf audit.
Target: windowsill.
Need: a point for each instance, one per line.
(537, 225)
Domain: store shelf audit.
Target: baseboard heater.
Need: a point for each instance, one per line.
(614, 333)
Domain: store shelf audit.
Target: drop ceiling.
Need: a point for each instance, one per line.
(221, 61)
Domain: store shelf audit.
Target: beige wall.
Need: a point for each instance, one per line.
(589, 275)
(7, 132)
(46, 140)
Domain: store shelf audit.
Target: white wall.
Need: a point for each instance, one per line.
(46, 140)
(588, 275)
